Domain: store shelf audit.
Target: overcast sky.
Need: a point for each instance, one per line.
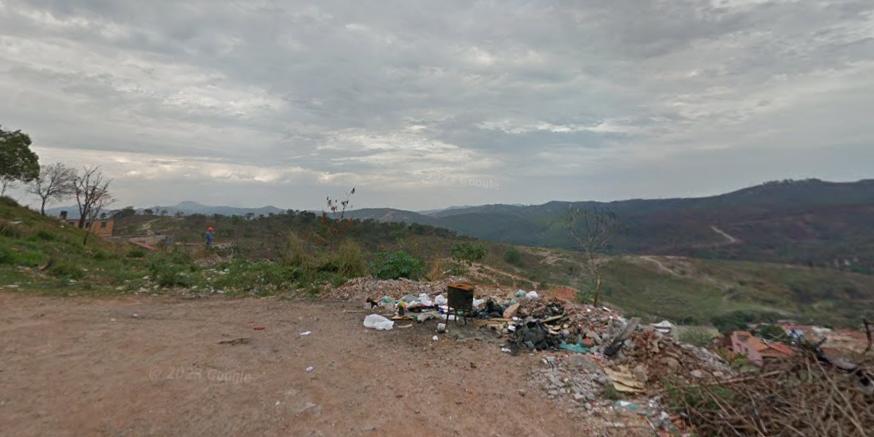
(431, 104)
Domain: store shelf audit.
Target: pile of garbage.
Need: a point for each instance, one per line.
(556, 324)
(605, 351)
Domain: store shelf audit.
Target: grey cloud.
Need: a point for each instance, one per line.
(548, 99)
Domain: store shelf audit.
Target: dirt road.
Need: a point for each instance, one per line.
(155, 366)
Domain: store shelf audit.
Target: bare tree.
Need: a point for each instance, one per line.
(92, 195)
(592, 229)
(54, 182)
(339, 206)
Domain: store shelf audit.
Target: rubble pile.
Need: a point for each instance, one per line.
(574, 380)
(578, 383)
(653, 356)
(364, 288)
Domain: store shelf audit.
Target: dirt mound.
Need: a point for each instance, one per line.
(359, 289)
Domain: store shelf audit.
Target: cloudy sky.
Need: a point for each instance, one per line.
(430, 104)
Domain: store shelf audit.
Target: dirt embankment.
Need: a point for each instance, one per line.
(157, 366)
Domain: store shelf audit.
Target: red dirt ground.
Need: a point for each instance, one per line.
(154, 366)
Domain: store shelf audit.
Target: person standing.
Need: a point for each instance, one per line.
(209, 236)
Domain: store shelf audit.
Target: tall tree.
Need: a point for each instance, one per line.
(91, 188)
(592, 229)
(54, 182)
(17, 161)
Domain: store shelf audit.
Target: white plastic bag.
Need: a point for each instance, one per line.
(378, 322)
(440, 300)
(425, 300)
(531, 295)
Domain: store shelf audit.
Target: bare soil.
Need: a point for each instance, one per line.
(166, 366)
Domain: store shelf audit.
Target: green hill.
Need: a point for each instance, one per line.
(298, 252)
(809, 222)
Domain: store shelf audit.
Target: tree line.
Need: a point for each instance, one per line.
(52, 182)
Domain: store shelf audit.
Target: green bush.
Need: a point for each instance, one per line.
(44, 235)
(394, 265)
(469, 252)
(771, 332)
(136, 253)
(170, 270)
(65, 270)
(513, 256)
(349, 260)
(700, 337)
(739, 320)
(457, 268)
(6, 256)
(258, 276)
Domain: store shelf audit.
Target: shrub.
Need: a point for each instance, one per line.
(61, 269)
(257, 275)
(700, 337)
(394, 265)
(6, 256)
(457, 268)
(469, 252)
(44, 235)
(737, 320)
(513, 256)
(136, 253)
(170, 270)
(771, 332)
(349, 260)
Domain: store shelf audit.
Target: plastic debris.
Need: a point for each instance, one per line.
(435, 338)
(310, 369)
(424, 300)
(305, 333)
(532, 295)
(574, 347)
(440, 300)
(380, 323)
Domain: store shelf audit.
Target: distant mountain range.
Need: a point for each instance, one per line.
(186, 208)
(808, 221)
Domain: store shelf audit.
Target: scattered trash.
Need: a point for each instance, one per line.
(510, 312)
(380, 323)
(532, 295)
(435, 338)
(574, 347)
(259, 328)
(409, 325)
(624, 381)
(506, 350)
(310, 369)
(305, 333)
(236, 341)
(441, 328)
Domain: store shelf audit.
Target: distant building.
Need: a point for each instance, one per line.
(100, 227)
(757, 350)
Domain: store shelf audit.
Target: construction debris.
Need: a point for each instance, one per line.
(806, 394)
